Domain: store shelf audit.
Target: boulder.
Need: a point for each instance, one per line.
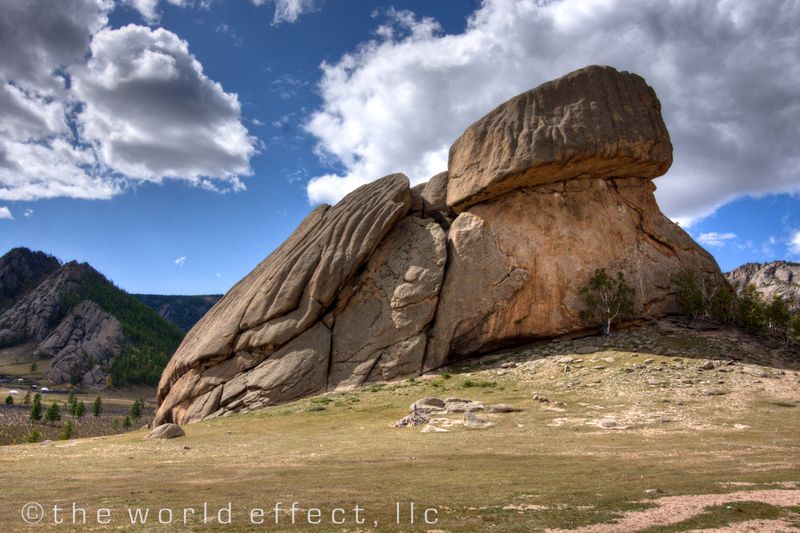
(428, 405)
(283, 296)
(166, 431)
(592, 122)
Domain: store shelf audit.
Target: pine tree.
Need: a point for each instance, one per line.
(97, 406)
(34, 367)
(34, 436)
(53, 413)
(136, 410)
(27, 399)
(67, 430)
(71, 403)
(126, 423)
(36, 410)
(80, 409)
(9, 400)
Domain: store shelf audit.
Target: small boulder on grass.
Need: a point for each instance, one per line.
(166, 431)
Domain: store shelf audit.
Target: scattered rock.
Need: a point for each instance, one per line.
(433, 429)
(473, 421)
(502, 408)
(713, 392)
(414, 419)
(757, 372)
(166, 431)
(582, 350)
(428, 405)
(708, 365)
(540, 398)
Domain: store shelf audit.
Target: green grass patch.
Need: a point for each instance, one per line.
(724, 515)
(476, 383)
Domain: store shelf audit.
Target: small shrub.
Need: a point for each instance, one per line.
(9, 400)
(469, 383)
(34, 436)
(606, 298)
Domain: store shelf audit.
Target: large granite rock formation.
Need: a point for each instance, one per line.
(390, 283)
(778, 278)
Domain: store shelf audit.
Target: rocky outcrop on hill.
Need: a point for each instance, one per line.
(394, 281)
(34, 315)
(778, 278)
(20, 269)
(81, 344)
(78, 319)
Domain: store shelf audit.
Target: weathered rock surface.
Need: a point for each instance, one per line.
(166, 431)
(389, 283)
(595, 121)
(33, 316)
(85, 339)
(383, 314)
(778, 278)
(513, 276)
(282, 297)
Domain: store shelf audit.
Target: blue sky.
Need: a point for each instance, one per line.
(315, 98)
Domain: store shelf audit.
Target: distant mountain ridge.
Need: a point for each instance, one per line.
(183, 311)
(777, 278)
(88, 327)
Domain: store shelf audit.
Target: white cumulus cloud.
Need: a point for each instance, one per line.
(5, 214)
(725, 72)
(151, 112)
(180, 261)
(794, 243)
(715, 239)
(87, 111)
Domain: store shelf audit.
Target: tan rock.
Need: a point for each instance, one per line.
(288, 292)
(166, 431)
(382, 315)
(595, 121)
(516, 263)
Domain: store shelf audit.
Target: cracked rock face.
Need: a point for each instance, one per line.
(390, 283)
(517, 262)
(33, 316)
(595, 121)
(382, 316)
(287, 294)
(87, 337)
